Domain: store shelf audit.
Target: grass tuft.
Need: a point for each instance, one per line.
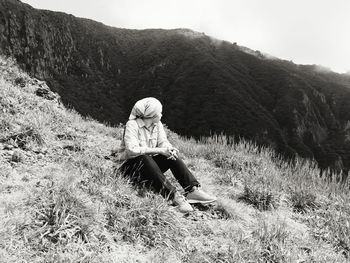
(272, 241)
(148, 221)
(23, 138)
(63, 213)
(261, 198)
(303, 201)
(332, 224)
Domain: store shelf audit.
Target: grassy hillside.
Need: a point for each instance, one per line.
(62, 201)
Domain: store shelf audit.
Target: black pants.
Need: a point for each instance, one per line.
(148, 171)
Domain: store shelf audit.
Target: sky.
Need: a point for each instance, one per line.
(302, 31)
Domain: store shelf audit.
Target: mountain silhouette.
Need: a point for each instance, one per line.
(206, 85)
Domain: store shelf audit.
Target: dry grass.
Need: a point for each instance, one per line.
(62, 201)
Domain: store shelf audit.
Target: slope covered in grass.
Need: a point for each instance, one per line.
(61, 199)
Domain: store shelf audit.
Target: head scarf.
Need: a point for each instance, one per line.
(146, 108)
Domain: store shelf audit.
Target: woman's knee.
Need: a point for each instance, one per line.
(145, 160)
(178, 162)
(135, 163)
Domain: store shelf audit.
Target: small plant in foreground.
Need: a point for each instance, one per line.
(333, 225)
(222, 212)
(63, 214)
(272, 240)
(21, 139)
(262, 199)
(148, 222)
(302, 201)
(226, 178)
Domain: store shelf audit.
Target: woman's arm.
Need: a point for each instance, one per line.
(132, 145)
(162, 140)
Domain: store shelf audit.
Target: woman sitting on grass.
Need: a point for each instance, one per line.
(149, 154)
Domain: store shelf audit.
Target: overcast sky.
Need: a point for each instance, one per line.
(304, 31)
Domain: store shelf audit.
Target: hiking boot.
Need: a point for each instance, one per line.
(198, 196)
(181, 203)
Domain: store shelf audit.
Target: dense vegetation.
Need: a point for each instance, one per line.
(63, 201)
(207, 86)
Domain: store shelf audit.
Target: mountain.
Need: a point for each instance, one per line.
(207, 86)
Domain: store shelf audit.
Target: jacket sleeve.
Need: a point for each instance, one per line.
(162, 140)
(131, 139)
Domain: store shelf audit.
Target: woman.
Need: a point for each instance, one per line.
(149, 154)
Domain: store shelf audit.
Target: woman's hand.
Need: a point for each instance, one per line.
(170, 152)
(174, 152)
